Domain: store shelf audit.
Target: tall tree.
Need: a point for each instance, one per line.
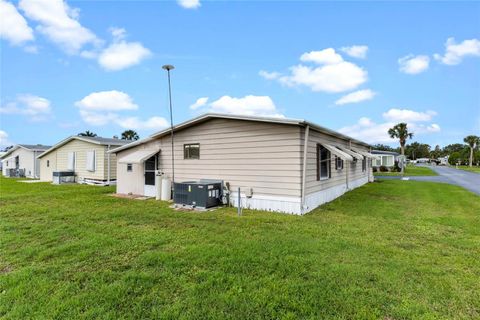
(130, 135)
(400, 131)
(382, 147)
(87, 134)
(473, 142)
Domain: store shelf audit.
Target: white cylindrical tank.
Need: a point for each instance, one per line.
(158, 186)
(166, 189)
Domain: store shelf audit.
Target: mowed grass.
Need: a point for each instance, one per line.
(387, 250)
(475, 169)
(410, 170)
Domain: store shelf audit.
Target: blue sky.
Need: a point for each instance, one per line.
(67, 67)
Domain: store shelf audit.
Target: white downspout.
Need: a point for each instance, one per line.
(34, 164)
(304, 169)
(108, 165)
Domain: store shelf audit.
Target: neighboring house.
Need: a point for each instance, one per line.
(443, 161)
(21, 161)
(1, 163)
(280, 164)
(86, 157)
(385, 158)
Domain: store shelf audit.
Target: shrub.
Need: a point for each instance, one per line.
(375, 169)
(383, 169)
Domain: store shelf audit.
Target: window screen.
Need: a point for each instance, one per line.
(129, 167)
(91, 160)
(71, 161)
(48, 163)
(323, 163)
(364, 164)
(191, 151)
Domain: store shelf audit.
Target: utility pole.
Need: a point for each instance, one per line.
(169, 67)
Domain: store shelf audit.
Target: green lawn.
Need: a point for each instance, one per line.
(475, 169)
(388, 250)
(410, 170)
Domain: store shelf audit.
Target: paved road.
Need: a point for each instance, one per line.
(465, 179)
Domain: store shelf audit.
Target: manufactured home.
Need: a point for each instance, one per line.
(81, 159)
(279, 164)
(21, 161)
(385, 159)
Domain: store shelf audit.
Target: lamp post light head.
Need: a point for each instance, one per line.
(168, 67)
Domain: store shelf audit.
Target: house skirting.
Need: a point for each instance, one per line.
(283, 204)
(292, 205)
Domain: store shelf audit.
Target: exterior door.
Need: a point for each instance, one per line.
(150, 166)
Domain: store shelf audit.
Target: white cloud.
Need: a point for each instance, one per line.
(118, 33)
(369, 131)
(355, 97)
(249, 105)
(58, 22)
(414, 64)
(356, 51)
(121, 55)
(333, 78)
(34, 107)
(405, 115)
(454, 53)
(201, 102)
(189, 4)
(13, 26)
(269, 75)
(333, 75)
(104, 107)
(4, 141)
(325, 56)
(107, 101)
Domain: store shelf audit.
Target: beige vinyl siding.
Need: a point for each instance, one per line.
(338, 177)
(263, 156)
(59, 161)
(46, 172)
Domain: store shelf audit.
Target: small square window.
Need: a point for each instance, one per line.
(191, 151)
(129, 167)
(338, 163)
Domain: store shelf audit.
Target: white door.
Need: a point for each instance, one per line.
(150, 165)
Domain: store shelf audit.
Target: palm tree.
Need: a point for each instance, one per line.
(87, 134)
(400, 131)
(473, 142)
(130, 135)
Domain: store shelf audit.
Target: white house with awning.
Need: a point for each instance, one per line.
(284, 165)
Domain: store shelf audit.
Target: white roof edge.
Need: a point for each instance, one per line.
(205, 116)
(68, 139)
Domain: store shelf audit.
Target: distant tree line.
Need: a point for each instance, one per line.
(457, 152)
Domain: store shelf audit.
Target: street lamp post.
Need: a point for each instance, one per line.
(169, 67)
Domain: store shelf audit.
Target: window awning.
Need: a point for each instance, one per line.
(367, 154)
(339, 153)
(138, 156)
(351, 152)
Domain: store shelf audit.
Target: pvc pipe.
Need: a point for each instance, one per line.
(239, 208)
(304, 171)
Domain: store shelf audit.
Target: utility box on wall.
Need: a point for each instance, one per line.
(203, 193)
